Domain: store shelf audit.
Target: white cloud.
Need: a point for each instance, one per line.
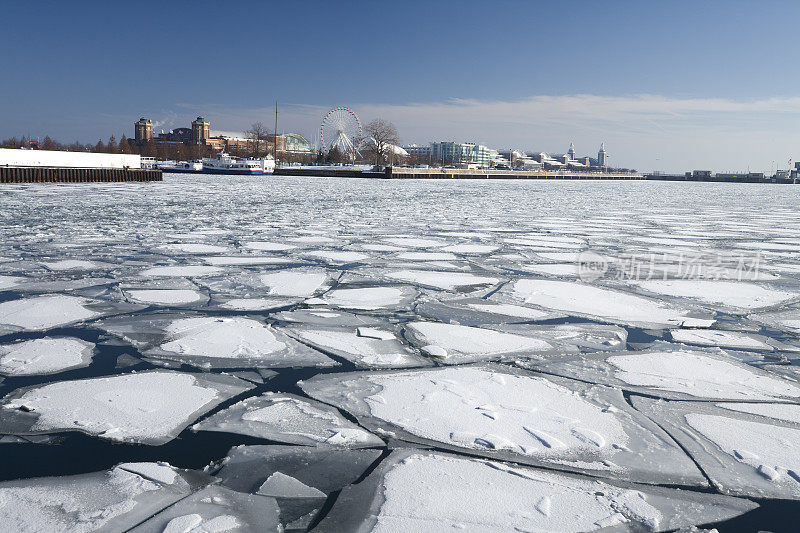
(640, 131)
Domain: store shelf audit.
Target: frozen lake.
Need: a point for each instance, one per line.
(217, 353)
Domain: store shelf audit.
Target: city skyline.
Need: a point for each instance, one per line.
(665, 87)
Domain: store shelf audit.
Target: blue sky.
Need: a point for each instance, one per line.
(667, 85)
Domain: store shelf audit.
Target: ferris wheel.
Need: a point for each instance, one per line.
(341, 129)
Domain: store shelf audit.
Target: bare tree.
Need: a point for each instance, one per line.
(257, 135)
(384, 136)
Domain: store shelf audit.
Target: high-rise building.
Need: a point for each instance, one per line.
(143, 130)
(601, 155)
(571, 152)
(201, 130)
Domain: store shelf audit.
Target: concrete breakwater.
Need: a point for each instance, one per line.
(76, 175)
(455, 173)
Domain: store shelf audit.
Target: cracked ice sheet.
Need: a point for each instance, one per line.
(723, 339)
(732, 295)
(44, 356)
(448, 281)
(788, 320)
(364, 347)
(9, 282)
(149, 407)
(298, 282)
(249, 468)
(181, 271)
(746, 449)
(368, 298)
(115, 500)
(54, 310)
(291, 419)
(216, 509)
(455, 344)
(467, 494)
(496, 411)
(166, 297)
(172, 339)
(583, 300)
(676, 374)
(477, 312)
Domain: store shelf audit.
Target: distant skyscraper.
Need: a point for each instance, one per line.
(571, 152)
(601, 155)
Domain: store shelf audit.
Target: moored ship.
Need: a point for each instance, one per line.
(224, 163)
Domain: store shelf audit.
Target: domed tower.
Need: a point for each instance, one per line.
(571, 152)
(601, 155)
(201, 130)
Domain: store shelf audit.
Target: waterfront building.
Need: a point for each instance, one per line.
(571, 152)
(201, 130)
(143, 131)
(601, 155)
(453, 153)
(415, 150)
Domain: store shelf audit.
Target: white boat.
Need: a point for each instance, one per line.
(180, 166)
(226, 164)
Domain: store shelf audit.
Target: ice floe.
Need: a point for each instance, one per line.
(590, 301)
(251, 469)
(166, 296)
(299, 283)
(731, 294)
(195, 248)
(231, 342)
(69, 264)
(44, 356)
(467, 494)
(464, 344)
(746, 449)
(291, 419)
(365, 349)
(501, 413)
(216, 509)
(368, 298)
(476, 312)
(115, 500)
(186, 271)
(724, 339)
(45, 312)
(267, 246)
(245, 260)
(449, 281)
(149, 407)
(676, 374)
(9, 282)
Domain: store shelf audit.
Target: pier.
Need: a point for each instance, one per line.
(76, 175)
(457, 173)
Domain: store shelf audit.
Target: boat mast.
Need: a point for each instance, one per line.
(276, 133)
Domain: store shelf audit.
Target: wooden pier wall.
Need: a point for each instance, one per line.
(75, 175)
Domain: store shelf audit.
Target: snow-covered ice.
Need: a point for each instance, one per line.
(449, 281)
(232, 342)
(465, 344)
(732, 294)
(746, 449)
(723, 339)
(432, 492)
(187, 271)
(368, 298)
(45, 312)
(363, 350)
(148, 407)
(115, 500)
(581, 299)
(216, 509)
(676, 374)
(166, 296)
(44, 356)
(300, 282)
(493, 411)
(291, 419)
